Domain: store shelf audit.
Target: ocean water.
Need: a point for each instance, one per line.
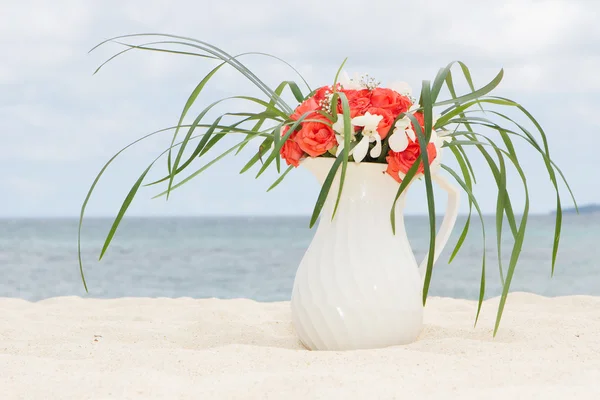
(257, 258)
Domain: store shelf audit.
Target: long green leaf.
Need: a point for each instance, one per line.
(91, 190)
(476, 94)
(205, 167)
(325, 191)
(473, 201)
(121, 214)
(264, 145)
(406, 181)
(347, 136)
(516, 249)
(467, 179)
(128, 199)
(145, 47)
(337, 74)
(279, 144)
(217, 52)
(423, 139)
(190, 101)
(281, 177)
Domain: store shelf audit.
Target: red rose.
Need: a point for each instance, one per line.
(291, 151)
(390, 100)
(311, 104)
(320, 93)
(306, 106)
(402, 161)
(386, 122)
(358, 101)
(316, 138)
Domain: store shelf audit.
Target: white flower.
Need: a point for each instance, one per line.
(369, 122)
(348, 83)
(401, 87)
(398, 140)
(338, 128)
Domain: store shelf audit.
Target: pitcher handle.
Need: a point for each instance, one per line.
(447, 224)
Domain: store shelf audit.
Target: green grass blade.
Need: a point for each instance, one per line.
(519, 237)
(454, 111)
(466, 176)
(91, 190)
(558, 222)
(347, 136)
(467, 162)
(204, 145)
(410, 174)
(473, 200)
(279, 142)
(201, 145)
(500, 207)
(439, 81)
(423, 138)
(325, 191)
(217, 52)
(264, 145)
(144, 47)
(121, 214)
(281, 177)
(516, 250)
(337, 74)
(296, 91)
(190, 101)
(128, 199)
(205, 167)
(476, 94)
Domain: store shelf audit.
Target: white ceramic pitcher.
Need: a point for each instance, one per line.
(358, 285)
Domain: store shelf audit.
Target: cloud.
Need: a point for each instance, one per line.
(63, 122)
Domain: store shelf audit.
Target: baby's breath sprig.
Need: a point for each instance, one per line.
(369, 82)
(325, 104)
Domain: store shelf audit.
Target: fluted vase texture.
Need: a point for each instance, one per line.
(358, 285)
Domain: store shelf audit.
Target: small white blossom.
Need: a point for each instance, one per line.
(369, 122)
(325, 104)
(369, 82)
(357, 82)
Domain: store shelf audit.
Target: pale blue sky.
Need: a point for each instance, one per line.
(60, 123)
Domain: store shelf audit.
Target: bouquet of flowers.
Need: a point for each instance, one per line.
(382, 126)
(357, 120)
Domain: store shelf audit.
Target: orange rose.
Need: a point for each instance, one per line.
(307, 106)
(316, 138)
(386, 122)
(311, 104)
(358, 101)
(390, 100)
(402, 161)
(320, 93)
(290, 151)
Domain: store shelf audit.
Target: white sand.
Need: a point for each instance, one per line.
(72, 348)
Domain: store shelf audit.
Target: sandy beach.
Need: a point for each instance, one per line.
(139, 348)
